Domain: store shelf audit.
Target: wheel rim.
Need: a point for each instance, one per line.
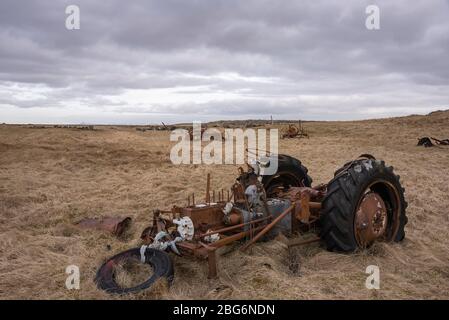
(377, 214)
(371, 219)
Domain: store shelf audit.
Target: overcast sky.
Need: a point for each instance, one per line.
(143, 61)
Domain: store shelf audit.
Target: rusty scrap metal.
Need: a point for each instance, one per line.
(444, 142)
(370, 219)
(233, 227)
(268, 227)
(427, 142)
(195, 137)
(293, 131)
(114, 225)
(247, 214)
(228, 225)
(301, 242)
(208, 189)
(302, 196)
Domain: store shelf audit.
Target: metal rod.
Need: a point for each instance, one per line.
(315, 205)
(233, 227)
(244, 196)
(268, 227)
(212, 263)
(208, 188)
(302, 242)
(230, 239)
(211, 260)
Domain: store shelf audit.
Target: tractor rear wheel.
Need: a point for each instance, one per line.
(364, 203)
(290, 173)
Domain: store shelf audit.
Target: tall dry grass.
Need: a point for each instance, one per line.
(52, 178)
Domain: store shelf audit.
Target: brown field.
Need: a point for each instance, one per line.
(52, 178)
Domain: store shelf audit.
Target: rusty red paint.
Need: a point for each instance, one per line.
(114, 225)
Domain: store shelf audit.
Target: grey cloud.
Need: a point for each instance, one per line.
(272, 55)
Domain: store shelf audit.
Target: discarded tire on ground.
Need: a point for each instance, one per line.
(290, 173)
(160, 261)
(364, 203)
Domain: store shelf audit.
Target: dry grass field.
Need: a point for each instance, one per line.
(51, 178)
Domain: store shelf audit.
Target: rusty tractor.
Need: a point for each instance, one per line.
(293, 131)
(363, 203)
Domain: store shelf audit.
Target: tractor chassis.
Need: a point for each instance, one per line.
(208, 220)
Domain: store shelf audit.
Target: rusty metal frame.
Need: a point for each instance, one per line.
(304, 210)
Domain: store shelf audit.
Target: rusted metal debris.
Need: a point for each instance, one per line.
(58, 126)
(301, 242)
(156, 128)
(370, 218)
(115, 225)
(244, 213)
(81, 127)
(294, 131)
(427, 142)
(199, 137)
(372, 210)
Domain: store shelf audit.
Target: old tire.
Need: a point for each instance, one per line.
(290, 173)
(159, 260)
(345, 192)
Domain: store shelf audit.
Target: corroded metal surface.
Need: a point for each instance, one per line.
(114, 225)
(293, 131)
(370, 219)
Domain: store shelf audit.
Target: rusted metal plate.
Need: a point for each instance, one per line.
(114, 225)
(295, 193)
(212, 215)
(294, 131)
(371, 219)
(301, 241)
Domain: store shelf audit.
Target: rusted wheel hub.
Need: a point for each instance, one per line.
(371, 219)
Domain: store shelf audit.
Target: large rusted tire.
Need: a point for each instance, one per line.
(290, 173)
(160, 261)
(351, 184)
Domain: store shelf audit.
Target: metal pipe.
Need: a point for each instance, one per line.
(234, 227)
(208, 188)
(315, 205)
(300, 242)
(230, 239)
(268, 227)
